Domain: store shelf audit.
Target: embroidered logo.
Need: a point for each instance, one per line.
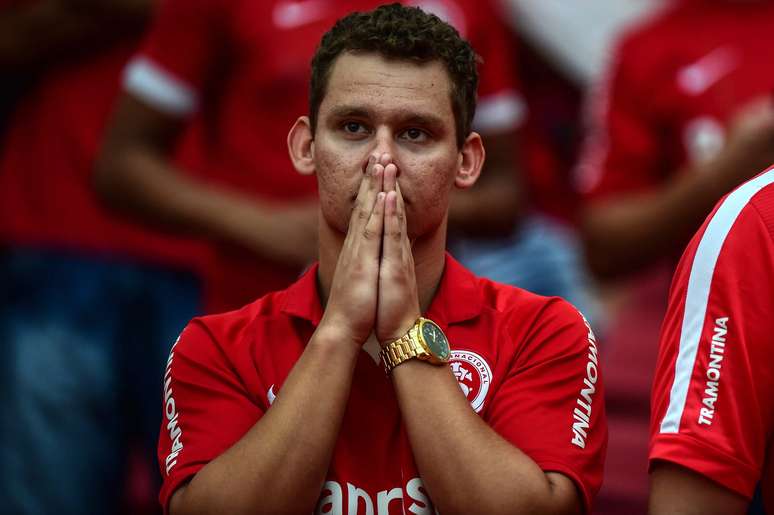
(473, 375)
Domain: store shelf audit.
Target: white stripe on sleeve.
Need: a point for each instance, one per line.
(500, 112)
(154, 85)
(697, 296)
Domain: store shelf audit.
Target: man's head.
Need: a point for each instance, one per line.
(401, 102)
(402, 33)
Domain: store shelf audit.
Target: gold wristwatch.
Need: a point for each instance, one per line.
(425, 341)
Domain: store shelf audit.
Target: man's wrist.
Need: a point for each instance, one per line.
(336, 337)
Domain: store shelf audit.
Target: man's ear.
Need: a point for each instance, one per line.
(471, 161)
(301, 146)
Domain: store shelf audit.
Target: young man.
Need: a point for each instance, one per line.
(713, 416)
(284, 406)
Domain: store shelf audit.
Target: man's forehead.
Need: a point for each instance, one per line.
(361, 79)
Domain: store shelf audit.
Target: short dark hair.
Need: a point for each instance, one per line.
(400, 32)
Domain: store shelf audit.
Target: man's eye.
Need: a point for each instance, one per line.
(353, 127)
(415, 135)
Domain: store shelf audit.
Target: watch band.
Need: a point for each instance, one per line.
(401, 350)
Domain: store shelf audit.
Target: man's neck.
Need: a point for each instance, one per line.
(429, 259)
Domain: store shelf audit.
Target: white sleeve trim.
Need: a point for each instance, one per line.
(500, 112)
(697, 296)
(152, 84)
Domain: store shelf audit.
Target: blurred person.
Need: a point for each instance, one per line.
(684, 115)
(89, 304)
(713, 415)
(498, 229)
(215, 80)
(284, 406)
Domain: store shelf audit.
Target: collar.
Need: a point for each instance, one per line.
(302, 300)
(457, 299)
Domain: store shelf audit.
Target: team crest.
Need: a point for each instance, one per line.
(473, 375)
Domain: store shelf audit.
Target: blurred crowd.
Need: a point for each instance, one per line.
(144, 180)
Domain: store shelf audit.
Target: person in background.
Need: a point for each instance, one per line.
(336, 394)
(684, 115)
(89, 304)
(499, 229)
(713, 416)
(211, 84)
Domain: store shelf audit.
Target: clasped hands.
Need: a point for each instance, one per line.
(374, 287)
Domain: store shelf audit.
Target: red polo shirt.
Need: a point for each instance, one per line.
(674, 85)
(712, 406)
(239, 71)
(528, 365)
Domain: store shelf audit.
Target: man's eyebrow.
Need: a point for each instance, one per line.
(407, 117)
(424, 119)
(350, 111)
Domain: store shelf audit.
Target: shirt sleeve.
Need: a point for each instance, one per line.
(184, 45)
(501, 106)
(551, 404)
(205, 408)
(711, 401)
(622, 152)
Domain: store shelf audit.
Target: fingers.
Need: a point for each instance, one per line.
(372, 232)
(390, 177)
(370, 186)
(393, 235)
(377, 196)
(401, 209)
(364, 181)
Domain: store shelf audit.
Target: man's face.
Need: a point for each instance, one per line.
(374, 105)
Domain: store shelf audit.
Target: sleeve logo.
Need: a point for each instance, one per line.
(582, 413)
(473, 375)
(170, 410)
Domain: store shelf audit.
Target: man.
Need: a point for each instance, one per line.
(284, 406)
(194, 145)
(713, 415)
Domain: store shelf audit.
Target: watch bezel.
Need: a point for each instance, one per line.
(430, 354)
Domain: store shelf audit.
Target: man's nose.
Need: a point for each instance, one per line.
(383, 143)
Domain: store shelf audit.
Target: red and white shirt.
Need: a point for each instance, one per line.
(712, 407)
(673, 86)
(240, 69)
(528, 365)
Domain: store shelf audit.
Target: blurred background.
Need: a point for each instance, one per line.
(144, 180)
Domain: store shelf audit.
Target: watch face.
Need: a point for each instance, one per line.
(435, 339)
